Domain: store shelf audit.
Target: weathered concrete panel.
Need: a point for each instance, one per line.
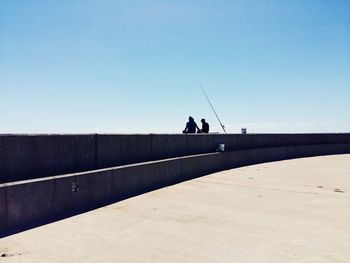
(166, 172)
(79, 192)
(168, 146)
(131, 180)
(29, 203)
(248, 141)
(114, 150)
(198, 165)
(200, 143)
(64, 197)
(93, 189)
(135, 179)
(25, 157)
(235, 159)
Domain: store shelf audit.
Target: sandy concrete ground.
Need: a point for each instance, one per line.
(290, 211)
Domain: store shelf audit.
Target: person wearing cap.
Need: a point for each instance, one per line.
(191, 126)
(205, 126)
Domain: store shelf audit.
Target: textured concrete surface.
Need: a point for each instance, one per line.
(288, 211)
(26, 157)
(40, 201)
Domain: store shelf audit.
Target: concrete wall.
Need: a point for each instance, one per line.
(250, 141)
(25, 157)
(28, 203)
(115, 150)
(35, 156)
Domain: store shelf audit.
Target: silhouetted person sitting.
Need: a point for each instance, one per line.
(205, 126)
(191, 126)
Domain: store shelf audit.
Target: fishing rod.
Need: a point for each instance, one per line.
(222, 126)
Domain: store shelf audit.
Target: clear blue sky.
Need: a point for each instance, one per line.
(81, 66)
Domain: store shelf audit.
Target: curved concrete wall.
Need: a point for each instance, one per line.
(35, 156)
(29, 203)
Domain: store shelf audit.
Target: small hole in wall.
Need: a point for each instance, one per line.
(75, 187)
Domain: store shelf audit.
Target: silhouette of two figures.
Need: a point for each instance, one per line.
(191, 126)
